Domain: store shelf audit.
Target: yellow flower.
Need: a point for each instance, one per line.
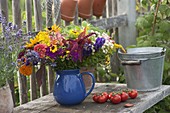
(32, 42)
(107, 62)
(53, 48)
(118, 46)
(43, 38)
(56, 28)
(74, 33)
(67, 52)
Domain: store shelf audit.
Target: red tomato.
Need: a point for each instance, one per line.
(133, 93)
(115, 99)
(95, 98)
(124, 96)
(106, 94)
(110, 95)
(102, 99)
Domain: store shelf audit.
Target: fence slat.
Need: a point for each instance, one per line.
(16, 10)
(49, 23)
(109, 23)
(33, 88)
(57, 15)
(38, 27)
(37, 15)
(49, 20)
(76, 21)
(28, 4)
(51, 75)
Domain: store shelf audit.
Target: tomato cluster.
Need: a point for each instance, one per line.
(114, 97)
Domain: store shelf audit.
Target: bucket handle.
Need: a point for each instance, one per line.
(134, 62)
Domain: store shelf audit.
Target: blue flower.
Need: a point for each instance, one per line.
(99, 43)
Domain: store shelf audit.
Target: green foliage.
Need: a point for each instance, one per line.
(161, 38)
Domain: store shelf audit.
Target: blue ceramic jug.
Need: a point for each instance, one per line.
(69, 88)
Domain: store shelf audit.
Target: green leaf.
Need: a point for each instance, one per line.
(163, 8)
(164, 26)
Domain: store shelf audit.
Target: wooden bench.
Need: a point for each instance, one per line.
(145, 100)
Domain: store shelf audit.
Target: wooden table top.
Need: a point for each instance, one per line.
(145, 100)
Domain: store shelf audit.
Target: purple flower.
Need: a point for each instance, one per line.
(14, 27)
(9, 24)
(74, 55)
(99, 43)
(19, 33)
(52, 55)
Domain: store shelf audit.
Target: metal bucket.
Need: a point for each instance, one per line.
(143, 67)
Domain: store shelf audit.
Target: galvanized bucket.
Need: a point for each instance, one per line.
(143, 67)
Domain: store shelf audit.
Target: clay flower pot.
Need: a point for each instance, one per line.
(6, 101)
(85, 8)
(68, 8)
(98, 7)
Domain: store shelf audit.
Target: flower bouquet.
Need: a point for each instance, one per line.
(64, 48)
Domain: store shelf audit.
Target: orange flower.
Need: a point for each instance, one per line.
(26, 70)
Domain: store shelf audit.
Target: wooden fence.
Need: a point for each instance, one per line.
(119, 16)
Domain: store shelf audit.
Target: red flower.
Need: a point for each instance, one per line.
(40, 49)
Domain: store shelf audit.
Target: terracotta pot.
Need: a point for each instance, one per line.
(85, 8)
(6, 101)
(68, 8)
(87, 79)
(98, 7)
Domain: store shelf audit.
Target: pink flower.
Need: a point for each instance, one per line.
(40, 49)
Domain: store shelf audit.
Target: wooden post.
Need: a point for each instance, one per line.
(22, 80)
(127, 34)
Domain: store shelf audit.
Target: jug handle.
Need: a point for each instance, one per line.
(93, 82)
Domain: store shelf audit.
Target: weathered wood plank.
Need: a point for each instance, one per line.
(16, 13)
(4, 8)
(33, 89)
(51, 78)
(33, 85)
(28, 4)
(115, 64)
(43, 88)
(145, 100)
(49, 20)
(37, 15)
(111, 22)
(57, 16)
(127, 34)
(49, 23)
(38, 23)
(22, 82)
(76, 21)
